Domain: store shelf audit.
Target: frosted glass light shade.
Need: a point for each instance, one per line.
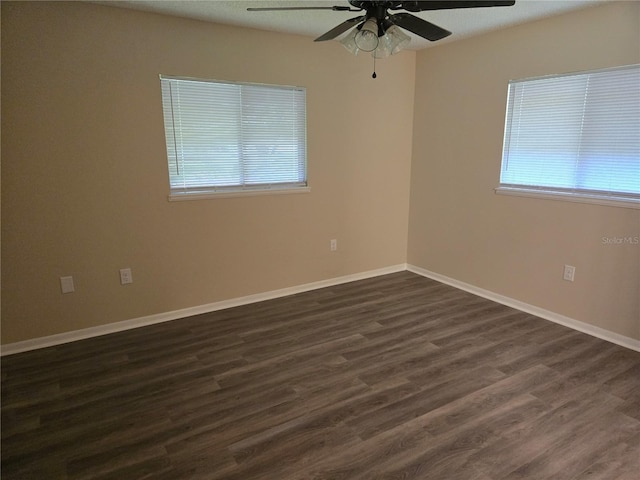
(384, 48)
(397, 39)
(349, 42)
(367, 38)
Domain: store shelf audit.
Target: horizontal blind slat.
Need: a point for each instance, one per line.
(579, 132)
(222, 135)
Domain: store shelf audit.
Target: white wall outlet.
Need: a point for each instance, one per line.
(334, 245)
(125, 276)
(569, 273)
(66, 285)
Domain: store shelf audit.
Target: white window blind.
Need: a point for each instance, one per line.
(575, 134)
(225, 137)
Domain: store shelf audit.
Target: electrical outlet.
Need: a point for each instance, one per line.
(125, 276)
(569, 273)
(66, 285)
(334, 245)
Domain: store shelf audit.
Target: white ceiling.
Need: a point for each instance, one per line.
(313, 23)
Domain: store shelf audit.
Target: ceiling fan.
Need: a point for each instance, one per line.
(377, 29)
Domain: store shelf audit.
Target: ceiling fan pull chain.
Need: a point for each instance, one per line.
(374, 67)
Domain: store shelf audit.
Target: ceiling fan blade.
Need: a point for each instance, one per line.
(343, 27)
(335, 8)
(419, 6)
(419, 26)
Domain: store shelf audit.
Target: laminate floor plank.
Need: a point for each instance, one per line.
(631, 406)
(605, 432)
(391, 377)
(413, 452)
(538, 440)
(625, 383)
(428, 399)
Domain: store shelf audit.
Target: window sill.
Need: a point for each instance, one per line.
(610, 201)
(207, 195)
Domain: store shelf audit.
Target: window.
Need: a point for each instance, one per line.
(575, 136)
(233, 137)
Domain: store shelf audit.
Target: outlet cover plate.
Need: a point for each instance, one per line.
(125, 276)
(569, 273)
(66, 285)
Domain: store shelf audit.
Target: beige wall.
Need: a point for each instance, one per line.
(84, 179)
(511, 245)
(85, 183)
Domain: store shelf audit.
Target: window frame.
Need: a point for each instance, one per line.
(231, 190)
(580, 195)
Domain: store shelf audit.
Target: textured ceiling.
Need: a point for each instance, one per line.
(463, 22)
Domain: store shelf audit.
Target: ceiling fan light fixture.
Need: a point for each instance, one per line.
(384, 48)
(396, 39)
(393, 41)
(349, 42)
(366, 38)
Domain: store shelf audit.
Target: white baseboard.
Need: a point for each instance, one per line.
(66, 337)
(601, 333)
(58, 339)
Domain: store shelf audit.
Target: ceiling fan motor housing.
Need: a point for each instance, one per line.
(376, 10)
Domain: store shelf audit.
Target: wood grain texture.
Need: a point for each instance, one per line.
(386, 378)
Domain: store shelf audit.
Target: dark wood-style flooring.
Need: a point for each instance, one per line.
(395, 377)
